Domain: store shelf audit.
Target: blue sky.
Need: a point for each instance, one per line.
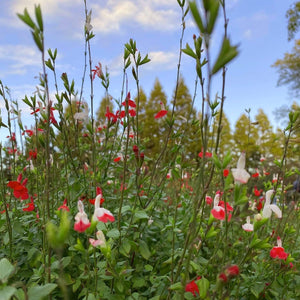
(259, 27)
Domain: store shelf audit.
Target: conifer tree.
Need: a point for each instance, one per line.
(153, 130)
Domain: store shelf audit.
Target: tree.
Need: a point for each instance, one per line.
(153, 130)
(100, 114)
(293, 16)
(245, 137)
(289, 69)
(185, 115)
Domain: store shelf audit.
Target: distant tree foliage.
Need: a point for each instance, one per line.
(289, 69)
(293, 16)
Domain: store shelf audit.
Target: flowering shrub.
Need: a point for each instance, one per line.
(173, 226)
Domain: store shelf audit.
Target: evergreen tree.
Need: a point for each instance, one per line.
(153, 130)
(183, 113)
(245, 137)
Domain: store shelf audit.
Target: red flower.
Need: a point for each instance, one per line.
(232, 271)
(208, 200)
(109, 115)
(162, 112)
(278, 252)
(98, 192)
(131, 103)
(257, 192)
(225, 172)
(255, 175)
(20, 189)
(30, 206)
(97, 71)
(222, 277)
(32, 154)
(192, 287)
(64, 206)
(29, 132)
(207, 154)
(218, 210)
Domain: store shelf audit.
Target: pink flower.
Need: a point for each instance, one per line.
(162, 112)
(248, 226)
(81, 220)
(100, 241)
(101, 214)
(278, 252)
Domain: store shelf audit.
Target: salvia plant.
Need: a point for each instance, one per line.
(88, 213)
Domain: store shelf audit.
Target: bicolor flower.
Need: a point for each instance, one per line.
(239, 173)
(268, 207)
(81, 220)
(278, 252)
(248, 226)
(218, 210)
(101, 214)
(100, 241)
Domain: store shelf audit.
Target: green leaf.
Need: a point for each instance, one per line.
(217, 161)
(189, 51)
(39, 292)
(144, 250)
(114, 233)
(227, 53)
(7, 292)
(196, 15)
(27, 19)
(125, 247)
(140, 214)
(213, 14)
(259, 224)
(39, 18)
(176, 286)
(6, 269)
(203, 285)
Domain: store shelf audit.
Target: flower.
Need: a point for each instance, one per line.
(208, 200)
(257, 192)
(268, 208)
(218, 210)
(30, 206)
(223, 278)
(278, 252)
(100, 241)
(232, 271)
(64, 206)
(98, 71)
(207, 154)
(248, 226)
(20, 189)
(162, 112)
(101, 214)
(98, 192)
(81, 220)
(83, 116)
(88, 27)
(192, 287)
(128, 101)
(225, 172)
(239, 173)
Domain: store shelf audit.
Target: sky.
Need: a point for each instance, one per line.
(259, 28)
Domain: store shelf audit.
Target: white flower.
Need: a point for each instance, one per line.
(83, 116)
(239, 173)
(100, 241)
(268, 207)
(88, 27)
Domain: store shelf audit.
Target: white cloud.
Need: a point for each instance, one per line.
(149, 14)
(161, 60)
(49, 7)
(18, 58)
